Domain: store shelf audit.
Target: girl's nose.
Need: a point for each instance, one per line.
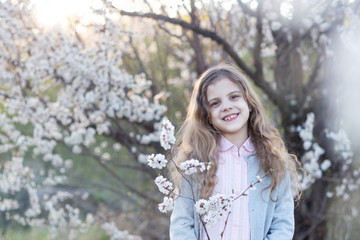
(226, 108)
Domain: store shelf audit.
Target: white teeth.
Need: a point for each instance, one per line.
(230, 117)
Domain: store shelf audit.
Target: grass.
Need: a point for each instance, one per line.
(21, 234)
(94, 233)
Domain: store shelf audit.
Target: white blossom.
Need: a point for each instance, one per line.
(106, 156)
(193, 166)
(117, 146)
(8, 204)
(259, 178)
(68, 163)
(306, 132)
(115, 234)
(312, 155)
(252, 186)
(217, 206)
(325, 165)
(210, 219)
(329, 194)
(89, 218)
(202, 206)
(167, 134)
(163, 184)
(157, 161)
(166, 205)
(76, 149)
(307, 145)
(97, 150)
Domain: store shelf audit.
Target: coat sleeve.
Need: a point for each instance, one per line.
(182, 222)
(282, 225)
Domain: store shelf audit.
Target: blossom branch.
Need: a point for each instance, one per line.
(253, 184)
(259, 179)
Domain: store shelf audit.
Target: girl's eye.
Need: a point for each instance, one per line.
(235, 97)
(213, 104)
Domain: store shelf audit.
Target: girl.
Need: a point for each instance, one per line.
(227, 126)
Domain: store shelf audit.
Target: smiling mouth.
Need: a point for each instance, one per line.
(230, 117)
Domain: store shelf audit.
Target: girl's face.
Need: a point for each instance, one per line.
(229, 111)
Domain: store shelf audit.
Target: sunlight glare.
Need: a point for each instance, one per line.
(54, 12)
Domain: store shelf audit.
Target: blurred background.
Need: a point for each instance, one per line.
(85, 84)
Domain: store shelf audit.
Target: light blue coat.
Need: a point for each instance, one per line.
(269, 220)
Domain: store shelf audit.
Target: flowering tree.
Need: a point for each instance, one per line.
(291, 50)
(60, 91)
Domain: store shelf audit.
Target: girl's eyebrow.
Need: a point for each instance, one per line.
(237, 91)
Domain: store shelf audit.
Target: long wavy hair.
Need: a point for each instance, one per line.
(198, 139)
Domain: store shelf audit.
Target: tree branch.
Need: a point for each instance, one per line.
(195, 28)
(313, 76)
(259, 81)
(258, 41)
(195, 42)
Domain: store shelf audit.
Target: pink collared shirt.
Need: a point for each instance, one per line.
(232, 175)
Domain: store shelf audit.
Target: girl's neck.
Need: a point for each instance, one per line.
(239, 139)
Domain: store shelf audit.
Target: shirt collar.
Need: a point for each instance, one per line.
(225, 145)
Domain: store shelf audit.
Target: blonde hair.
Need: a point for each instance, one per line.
(198, 139)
